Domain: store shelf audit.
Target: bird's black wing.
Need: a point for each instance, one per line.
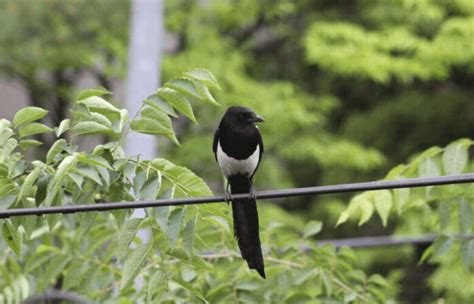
(261, 150)
(215, 142)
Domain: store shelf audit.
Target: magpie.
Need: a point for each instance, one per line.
(238, 149)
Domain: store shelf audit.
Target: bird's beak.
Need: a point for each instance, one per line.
(258, 118)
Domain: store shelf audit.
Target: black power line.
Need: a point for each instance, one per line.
(342, 188)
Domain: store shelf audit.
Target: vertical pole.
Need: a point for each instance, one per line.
(143, 67)
(146, 38)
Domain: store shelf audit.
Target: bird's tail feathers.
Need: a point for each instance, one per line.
(246, 228)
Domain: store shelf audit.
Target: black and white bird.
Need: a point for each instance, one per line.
(238, 148)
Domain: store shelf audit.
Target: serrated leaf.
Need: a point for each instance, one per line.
(151, 188)
(157, 286)
(27, 115)
(455, 158)
(204, 76)
(206, 96)
(184, 86)
(154, 121)
(444, 210)
(98, 91)
(28, 143)
(33, 128)
(174, 224)
(312, 228)
(85, 223)
(160, 104)
(89, 127)
(383, 204)
(134, 263)
(178, 101)
(63, 127)
(189, 234)
(126, 235)
(465, 217)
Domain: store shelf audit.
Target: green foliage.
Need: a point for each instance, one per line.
(449, 200)
(99, 255)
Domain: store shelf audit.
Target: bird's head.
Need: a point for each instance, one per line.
(242, 116)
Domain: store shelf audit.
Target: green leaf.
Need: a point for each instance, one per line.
(174, 224)
(367, 209)
(28, 143)
(90, 173)
(55, 183)
(7, 187)
(343, 217)
(191, 289)
(326, 282)
(428, 168)
(98, 91)
(442, 245)
(126, 235)
(98, 103)
(160, 104)
(134, 263)
(400, 197)
(154, 121)
(28, 183)
(27, 115)
(157, 286)
(162, 214)
(90, 127)
(455, 158)
(383, 204)
(94, 160)
(7, 149)
(444, 210)
(312, 228)
(465, 217)
(58, 146)
(206, 96)
(63, 127)
(467, 252)
(33, 129)
(185, 86)
(53, 269)
(189, 234)
(86, 221)
(178, 101)
(13, 237)
(204, 76)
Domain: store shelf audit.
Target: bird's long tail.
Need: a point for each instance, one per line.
(246, 229)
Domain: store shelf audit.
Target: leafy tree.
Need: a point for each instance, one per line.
(99, 255)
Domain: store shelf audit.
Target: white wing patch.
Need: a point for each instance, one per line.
(231, 166)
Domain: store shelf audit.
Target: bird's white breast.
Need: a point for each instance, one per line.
(231, 166)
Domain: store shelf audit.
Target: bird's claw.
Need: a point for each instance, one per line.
(227, 194)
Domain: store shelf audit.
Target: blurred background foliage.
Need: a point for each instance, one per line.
(348, 89)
